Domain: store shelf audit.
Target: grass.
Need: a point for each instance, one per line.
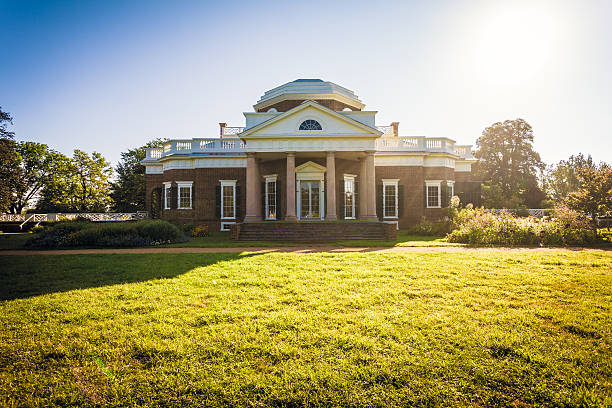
(486, 328)
(222, 240)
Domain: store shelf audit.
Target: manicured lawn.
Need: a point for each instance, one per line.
(221, 240)
(480, 328)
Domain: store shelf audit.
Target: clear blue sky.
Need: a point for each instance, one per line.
(109, 75)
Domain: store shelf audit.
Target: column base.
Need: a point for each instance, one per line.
(369, 218)
(331, 218)
(291, 218)
(252, 218)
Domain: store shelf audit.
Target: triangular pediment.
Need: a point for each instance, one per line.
(310, 167)
(287, 124)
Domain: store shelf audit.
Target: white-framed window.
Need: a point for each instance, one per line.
(432, 188)
(270, 197)
(184, 195)
(228, 199)
(450, 191)
(167, 195)
(390, 198)
(349, 196)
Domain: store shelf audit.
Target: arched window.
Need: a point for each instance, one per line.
(310, 124)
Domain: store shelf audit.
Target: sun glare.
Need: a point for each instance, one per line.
(515, 45)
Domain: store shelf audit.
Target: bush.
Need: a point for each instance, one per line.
(480, 227)
(200, 231)
(88, 234)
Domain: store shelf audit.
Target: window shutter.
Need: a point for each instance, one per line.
(341, 199)
(238, 200)
(400, 201)
(174, 195)
(443, 198)
(425, 195)
(379, 201)
(218, 202)
(279, 197)
(357, 199)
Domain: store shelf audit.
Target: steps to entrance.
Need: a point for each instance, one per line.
(313, 231)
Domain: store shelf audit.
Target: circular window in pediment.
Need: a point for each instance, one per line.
(310, 124)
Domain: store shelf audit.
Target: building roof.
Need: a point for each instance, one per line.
(305, 89)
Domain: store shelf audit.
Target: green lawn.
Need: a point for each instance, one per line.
(222, 240)
(481, 328)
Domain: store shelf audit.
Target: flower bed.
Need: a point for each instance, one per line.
(565, 227)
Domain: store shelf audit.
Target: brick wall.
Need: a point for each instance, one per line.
(411, 179)
(204, 206)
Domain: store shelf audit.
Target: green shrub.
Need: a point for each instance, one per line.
(480, 227)
(88, 234)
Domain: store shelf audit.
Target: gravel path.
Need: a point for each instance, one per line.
(294, 249)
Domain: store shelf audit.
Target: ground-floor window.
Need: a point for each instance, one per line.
(390, 198)
(450, 191)
(184, 194)
(433, 193)
(228, 199)
(270, 197)
(167, 195)
(349, 197)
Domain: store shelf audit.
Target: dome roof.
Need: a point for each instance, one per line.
(303, 89)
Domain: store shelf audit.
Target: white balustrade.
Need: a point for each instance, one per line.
(231, 131)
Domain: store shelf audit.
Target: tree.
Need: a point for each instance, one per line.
(80, 184)
(508, 164)
(594, 196)
(35, 165)
(562, 178)
(128, 192)
(9, 161)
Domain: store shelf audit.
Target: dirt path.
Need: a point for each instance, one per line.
(294, 249)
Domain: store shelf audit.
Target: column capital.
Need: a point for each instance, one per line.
(250, 154)
(370, 152)
(290, 154)
(331, 152)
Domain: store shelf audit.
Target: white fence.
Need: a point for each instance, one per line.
(96, 217)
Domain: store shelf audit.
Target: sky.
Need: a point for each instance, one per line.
(109, 75)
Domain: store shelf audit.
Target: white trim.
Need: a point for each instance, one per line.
(271, 179)
(433, 183)
(167, 187)
(393, 183)
(184, 184)
(349, 177)
(225, 224)
(228, 183)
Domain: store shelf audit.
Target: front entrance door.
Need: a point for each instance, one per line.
(310, 200)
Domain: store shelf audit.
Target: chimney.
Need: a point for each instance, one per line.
(395, 128)
(221, 128)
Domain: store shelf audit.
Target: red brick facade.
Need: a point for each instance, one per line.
(411, 190)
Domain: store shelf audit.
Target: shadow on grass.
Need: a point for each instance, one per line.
(24, 276)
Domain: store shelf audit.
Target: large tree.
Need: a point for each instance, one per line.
(562, 178)
(36, 162)
(79, 184)
(9, 161)
(128, 191)
(508, 164)
(594, 194)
